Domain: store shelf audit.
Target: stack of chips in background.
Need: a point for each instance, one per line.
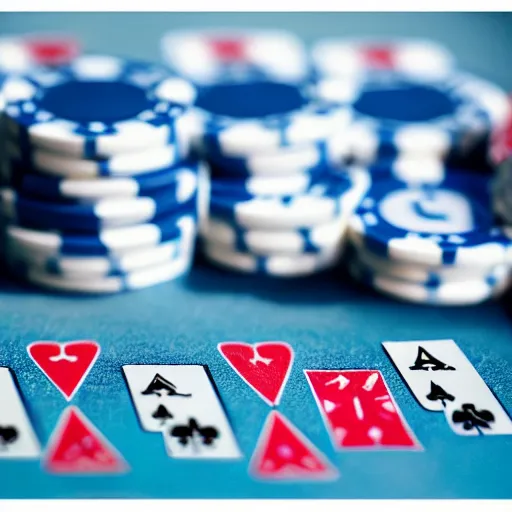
(423, 231)
(277, 206)
(97, 194)
(374, 142)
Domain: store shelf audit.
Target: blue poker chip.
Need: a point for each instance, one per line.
(439, 293)
(266, 243)
(135, 280)
(98, 106)
(334, 196)
(122, 165)
(106, 213)
(422, 274)
(244, 118)
(180, 181)
(278, 265)
(397, 113)
(94, 267)
(447, 223)
(263, 186)
(107, 242)
(303, 159)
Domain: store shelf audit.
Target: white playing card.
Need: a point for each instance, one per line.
(443, 379)
(195, 424)
(422, 363)
(17, 437)
(156, 397)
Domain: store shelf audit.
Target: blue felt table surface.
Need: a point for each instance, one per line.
(331, 323)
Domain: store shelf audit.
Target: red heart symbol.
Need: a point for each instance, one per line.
(66, 365)
(265, 367)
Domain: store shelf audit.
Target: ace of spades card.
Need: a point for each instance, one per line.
(442, 379)
(180, 402)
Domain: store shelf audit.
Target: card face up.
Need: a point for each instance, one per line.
(180, 402)
(442, 378)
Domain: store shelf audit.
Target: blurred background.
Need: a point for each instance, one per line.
(481, 42)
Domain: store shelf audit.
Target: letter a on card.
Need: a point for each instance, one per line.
(359, 411)
(265, 367)
(443, 379)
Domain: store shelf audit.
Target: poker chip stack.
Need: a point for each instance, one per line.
(421, 234)
(430, 244)
(99, 194)
(408, 101)
(276, 205)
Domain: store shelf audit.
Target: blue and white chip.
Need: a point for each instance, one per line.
(180, 181)
(280, 265)
(400, 114)
(286, 161)
(263, 186)
(105, 213)
(98, 106)
(440, 293)
(267, 243)
(336, 195)
(93, 267)
(449, 223)
(107, 242)
(423, 274)
(141, 278)
(121, 165)
(278, 115)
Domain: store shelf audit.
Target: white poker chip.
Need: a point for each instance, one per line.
(348, 57)
(226, 54)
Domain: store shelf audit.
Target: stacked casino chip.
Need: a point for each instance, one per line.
(276, 204)
(501, 157)
(98, 193)
(424, 232)
(408, 101)
(434, 244)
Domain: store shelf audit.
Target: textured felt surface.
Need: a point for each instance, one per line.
(329, 322)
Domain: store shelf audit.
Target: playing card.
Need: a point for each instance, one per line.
(284, 453)
(17, 438)
(359, 410)
(442, 379)
(265, 367)
(65, 365)
(78, 447)
(428, 367)
(180, 402)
